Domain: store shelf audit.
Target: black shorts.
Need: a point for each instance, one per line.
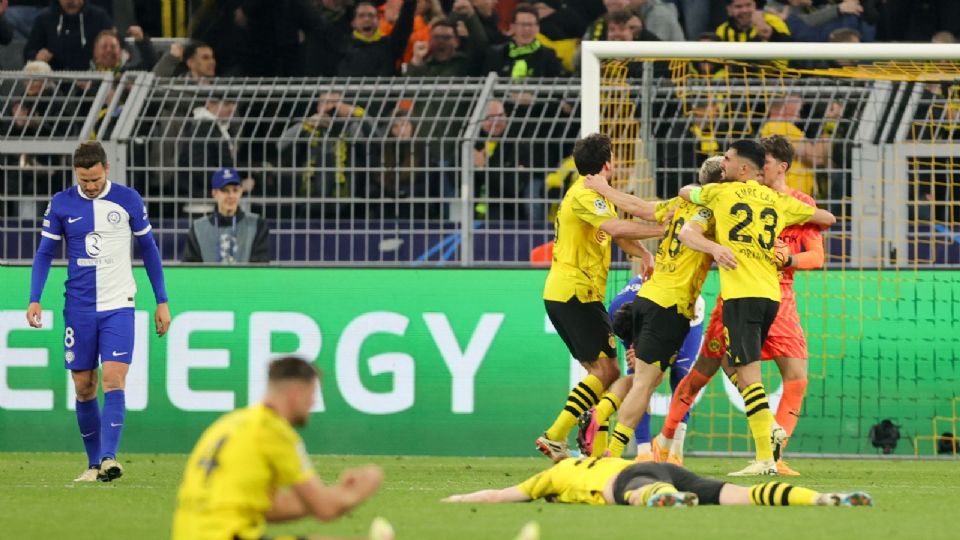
(585, 328)
(658, 332)
(641, 474)
(746, 322)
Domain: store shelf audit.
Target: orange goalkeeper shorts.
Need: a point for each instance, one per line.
(785, 339)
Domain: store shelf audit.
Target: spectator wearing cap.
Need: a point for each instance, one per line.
(228, 235)
(63, 34)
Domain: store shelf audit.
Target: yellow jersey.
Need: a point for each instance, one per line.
(234, 470)
(574, 480)
(799, 176)
(679, 271)
(749, 218)
(581, 251)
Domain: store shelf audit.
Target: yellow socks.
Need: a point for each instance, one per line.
(609, 403)
(582, 398)
(782, 494)
(759, 419)
(650, 490)
(619, 439)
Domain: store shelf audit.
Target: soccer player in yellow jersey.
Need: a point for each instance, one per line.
(665, 303)
(576, 285)
(618, 481)
(250, 467)
(749, 218)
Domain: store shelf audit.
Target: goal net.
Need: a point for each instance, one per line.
(875, 127)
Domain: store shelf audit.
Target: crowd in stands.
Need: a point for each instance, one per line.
(515, 38)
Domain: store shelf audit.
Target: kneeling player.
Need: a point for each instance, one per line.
(619, 481)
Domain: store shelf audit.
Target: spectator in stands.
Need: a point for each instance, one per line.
(747, 23)
(660, 18)
(627, 26)
(195, 61)
(327, 147)
(108, 53)
(63, 34)
(597, 30)
(487, 12)
(503, 172)
(426, 13)
(323, 48)
(782, 120)
(705, 68)
(843, 35)
(6, 31)
(208, 141)
(368, 52)
(524, 56)
(228, 235)
(560, 30)
(402, 174)
(22, 13)
(696, 16)
(38, 99)
(443, 55)
(814, 23)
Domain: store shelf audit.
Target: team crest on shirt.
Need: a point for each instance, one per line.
(94, 244)
(113, 217)
(68, 356)
(601, 206)
(612, 341)
(714, 345)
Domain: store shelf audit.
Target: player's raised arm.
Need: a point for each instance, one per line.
(692, 236)
(630, 204)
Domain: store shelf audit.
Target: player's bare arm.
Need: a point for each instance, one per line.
(630, 204)
(692, 236)
(631, 230)
(33, 315)
(634, 248)
(685, 192)
(330, 502)
(510, 494)
(161, 318)
(822, 218)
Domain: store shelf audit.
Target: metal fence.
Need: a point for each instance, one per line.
(460, 172)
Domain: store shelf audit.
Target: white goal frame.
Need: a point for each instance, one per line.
(879, 208)
(592, 52)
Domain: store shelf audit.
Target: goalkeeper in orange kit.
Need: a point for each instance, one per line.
(799, 247)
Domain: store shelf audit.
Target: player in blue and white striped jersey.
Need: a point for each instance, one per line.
(97, 218)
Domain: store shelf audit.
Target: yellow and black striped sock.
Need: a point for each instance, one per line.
(733, 379)
(581, 399)
(782, 494)
(609, 403)
(648, 491)
(619, 439)
(759, 419)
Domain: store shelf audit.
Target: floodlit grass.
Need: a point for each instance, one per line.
(914, 499)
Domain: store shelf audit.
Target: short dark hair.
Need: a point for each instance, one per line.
(621, 17)
(751, 151)
(623, 323)
(525, 8)
(88, 154)
(449, 23)
(191, 48)
(779, 147)
(591, 153)
(292, 368)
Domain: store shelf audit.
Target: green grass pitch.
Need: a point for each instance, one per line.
(914, 499)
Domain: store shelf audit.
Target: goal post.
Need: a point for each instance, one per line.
(878, 144)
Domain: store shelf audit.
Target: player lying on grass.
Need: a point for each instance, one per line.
(619, 481)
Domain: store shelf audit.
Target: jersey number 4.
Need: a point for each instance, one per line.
(744, 213)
